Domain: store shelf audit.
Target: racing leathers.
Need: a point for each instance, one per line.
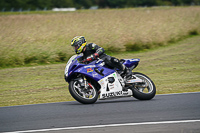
(93, 51)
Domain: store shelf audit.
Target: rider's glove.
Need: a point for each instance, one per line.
(91, 58)
(96, 55)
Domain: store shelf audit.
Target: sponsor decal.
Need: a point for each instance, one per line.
(110, 85)
(89, 66)
(89, 70)
(114, 94)
(114, 75)
(101, 82)
(95, 75)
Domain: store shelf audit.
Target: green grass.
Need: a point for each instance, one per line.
(44, 37)
(174, 69)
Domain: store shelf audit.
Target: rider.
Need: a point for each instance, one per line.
(91, 51)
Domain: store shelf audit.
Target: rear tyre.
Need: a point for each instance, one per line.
(145, 90)
(85, 95)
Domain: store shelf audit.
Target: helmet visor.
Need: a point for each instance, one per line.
(76, 47)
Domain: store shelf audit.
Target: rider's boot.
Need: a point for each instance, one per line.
(126, 72)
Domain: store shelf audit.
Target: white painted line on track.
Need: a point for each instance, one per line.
(109, 125)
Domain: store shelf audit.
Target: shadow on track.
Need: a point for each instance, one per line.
(112, 100)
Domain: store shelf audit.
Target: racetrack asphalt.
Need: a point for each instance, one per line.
(61, 116)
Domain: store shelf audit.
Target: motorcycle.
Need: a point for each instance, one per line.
(92, 81)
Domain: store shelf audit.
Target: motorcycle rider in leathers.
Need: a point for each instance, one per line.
(92, 51)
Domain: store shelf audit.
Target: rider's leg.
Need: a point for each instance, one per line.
(113, 62)
(124, 70)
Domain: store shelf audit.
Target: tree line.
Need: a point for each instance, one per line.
(7, 5)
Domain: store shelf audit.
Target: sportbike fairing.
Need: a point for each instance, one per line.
(112, 86)
(91, 70)
(110, 81)
(94, 68)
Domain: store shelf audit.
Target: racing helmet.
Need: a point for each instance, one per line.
(79, 43)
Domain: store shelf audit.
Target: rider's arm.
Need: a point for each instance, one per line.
(99, 50)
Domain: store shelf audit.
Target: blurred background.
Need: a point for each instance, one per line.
(29, 5)
(35, 43)
(39, 32)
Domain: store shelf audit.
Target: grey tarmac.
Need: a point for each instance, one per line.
(176, 107)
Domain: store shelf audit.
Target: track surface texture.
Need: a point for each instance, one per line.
(175, 107)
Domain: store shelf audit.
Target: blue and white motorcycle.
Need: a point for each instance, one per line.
(88, 82)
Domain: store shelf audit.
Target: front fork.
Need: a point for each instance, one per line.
(85, 81)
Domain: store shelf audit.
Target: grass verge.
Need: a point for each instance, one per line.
(45, 38)
(174, 69)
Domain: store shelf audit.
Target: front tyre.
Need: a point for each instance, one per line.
(85, 95)
(145, 90)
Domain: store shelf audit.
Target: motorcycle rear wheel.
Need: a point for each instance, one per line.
(87, 95)
(145, 90)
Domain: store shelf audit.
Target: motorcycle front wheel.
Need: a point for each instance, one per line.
(85, 95)
(145, 90)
